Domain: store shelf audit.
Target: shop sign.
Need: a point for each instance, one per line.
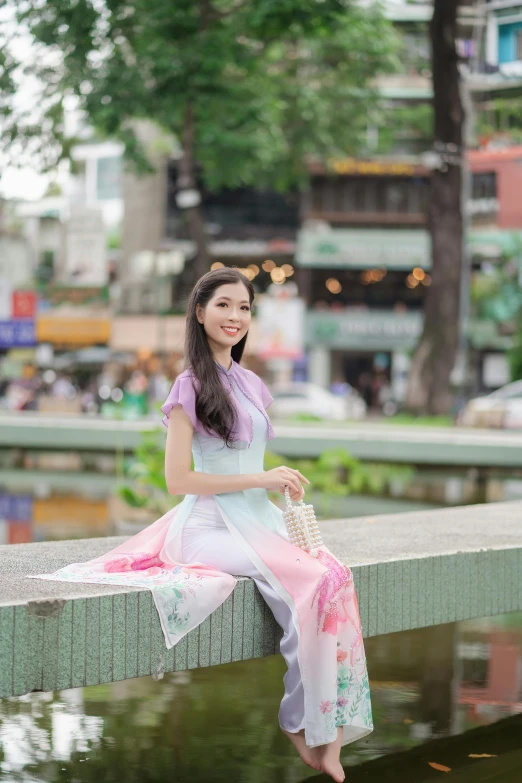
(17, 334)
(24, 304)
(241, 248)
(73, 331)
(15, 532)
(281, 326)
(76, 295)
(401, 249)
(17, 508)
(373, 168)
(375, 330)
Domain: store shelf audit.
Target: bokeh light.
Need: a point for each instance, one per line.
(333, 285)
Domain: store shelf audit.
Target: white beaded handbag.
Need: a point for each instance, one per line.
(302, 526)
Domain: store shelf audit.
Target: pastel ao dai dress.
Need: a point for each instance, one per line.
(314, 598)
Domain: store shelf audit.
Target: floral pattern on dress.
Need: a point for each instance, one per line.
(353, 703)
(172, 601)
(138, 561)
(333, 593)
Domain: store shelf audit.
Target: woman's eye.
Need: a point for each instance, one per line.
(245, 307)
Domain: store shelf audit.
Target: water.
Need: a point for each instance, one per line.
(220, 723)
(56, 496)
(438, 694)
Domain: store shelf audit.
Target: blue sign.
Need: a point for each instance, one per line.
(16, 508)
(19, 333)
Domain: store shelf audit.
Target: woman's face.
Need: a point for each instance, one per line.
(228, 307)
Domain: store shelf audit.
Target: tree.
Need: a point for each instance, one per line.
(429, 383)
(250, 88)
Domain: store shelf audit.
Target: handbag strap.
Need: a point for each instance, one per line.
(304, 520)
(290, 502)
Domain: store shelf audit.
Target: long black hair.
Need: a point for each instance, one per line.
(213, 406)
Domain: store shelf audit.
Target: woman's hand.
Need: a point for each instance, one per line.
(276, 479)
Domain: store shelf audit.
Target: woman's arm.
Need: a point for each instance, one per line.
(181, 480)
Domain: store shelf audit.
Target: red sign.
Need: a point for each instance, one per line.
(24, 304)
(19, 532)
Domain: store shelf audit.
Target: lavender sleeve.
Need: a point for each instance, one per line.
(265, 395)
(184, 394)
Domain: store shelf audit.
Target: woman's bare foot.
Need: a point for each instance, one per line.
(330, 763)
(310, 756)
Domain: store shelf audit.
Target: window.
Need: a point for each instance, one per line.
(484, 185)
(375, 195)
(518, 44)
(108, 178)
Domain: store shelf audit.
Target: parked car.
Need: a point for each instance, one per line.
(301, 397)
(501, 408)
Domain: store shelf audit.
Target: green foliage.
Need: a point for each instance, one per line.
(419, 421)
(53, 189)
(114, 239)
(334, 474)
(264, 84)
(501, 115)
(145, 486)
(404, 125)
(515, 354)
(305, 417)
(495, 292)
(44, 272)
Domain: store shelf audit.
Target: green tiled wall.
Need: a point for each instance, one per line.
(66, 644)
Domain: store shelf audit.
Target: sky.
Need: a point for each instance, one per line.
(26, 182)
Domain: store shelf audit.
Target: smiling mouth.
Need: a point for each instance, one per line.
(230, 330)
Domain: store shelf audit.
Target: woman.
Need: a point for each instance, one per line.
(226, 527)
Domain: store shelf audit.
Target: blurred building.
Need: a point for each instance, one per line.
(504, 38)
(96, 181)
(363, 251)
(363, 258)
(356, 242)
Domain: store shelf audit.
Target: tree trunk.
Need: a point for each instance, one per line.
(429, 388)
(187, 180)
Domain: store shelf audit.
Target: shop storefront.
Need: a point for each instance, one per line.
(362, 348)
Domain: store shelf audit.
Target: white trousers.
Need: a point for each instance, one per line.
(206, 539)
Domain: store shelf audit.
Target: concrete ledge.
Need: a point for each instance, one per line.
(365, 440)
(411, 571)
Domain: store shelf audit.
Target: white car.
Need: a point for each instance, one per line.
(301, 397)
(501, 408)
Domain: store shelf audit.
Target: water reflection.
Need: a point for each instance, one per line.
(220, 723)
(54, 497)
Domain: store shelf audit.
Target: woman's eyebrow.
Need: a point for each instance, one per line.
(243, 301)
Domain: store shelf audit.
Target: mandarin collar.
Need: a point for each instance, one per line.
(224, 370)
